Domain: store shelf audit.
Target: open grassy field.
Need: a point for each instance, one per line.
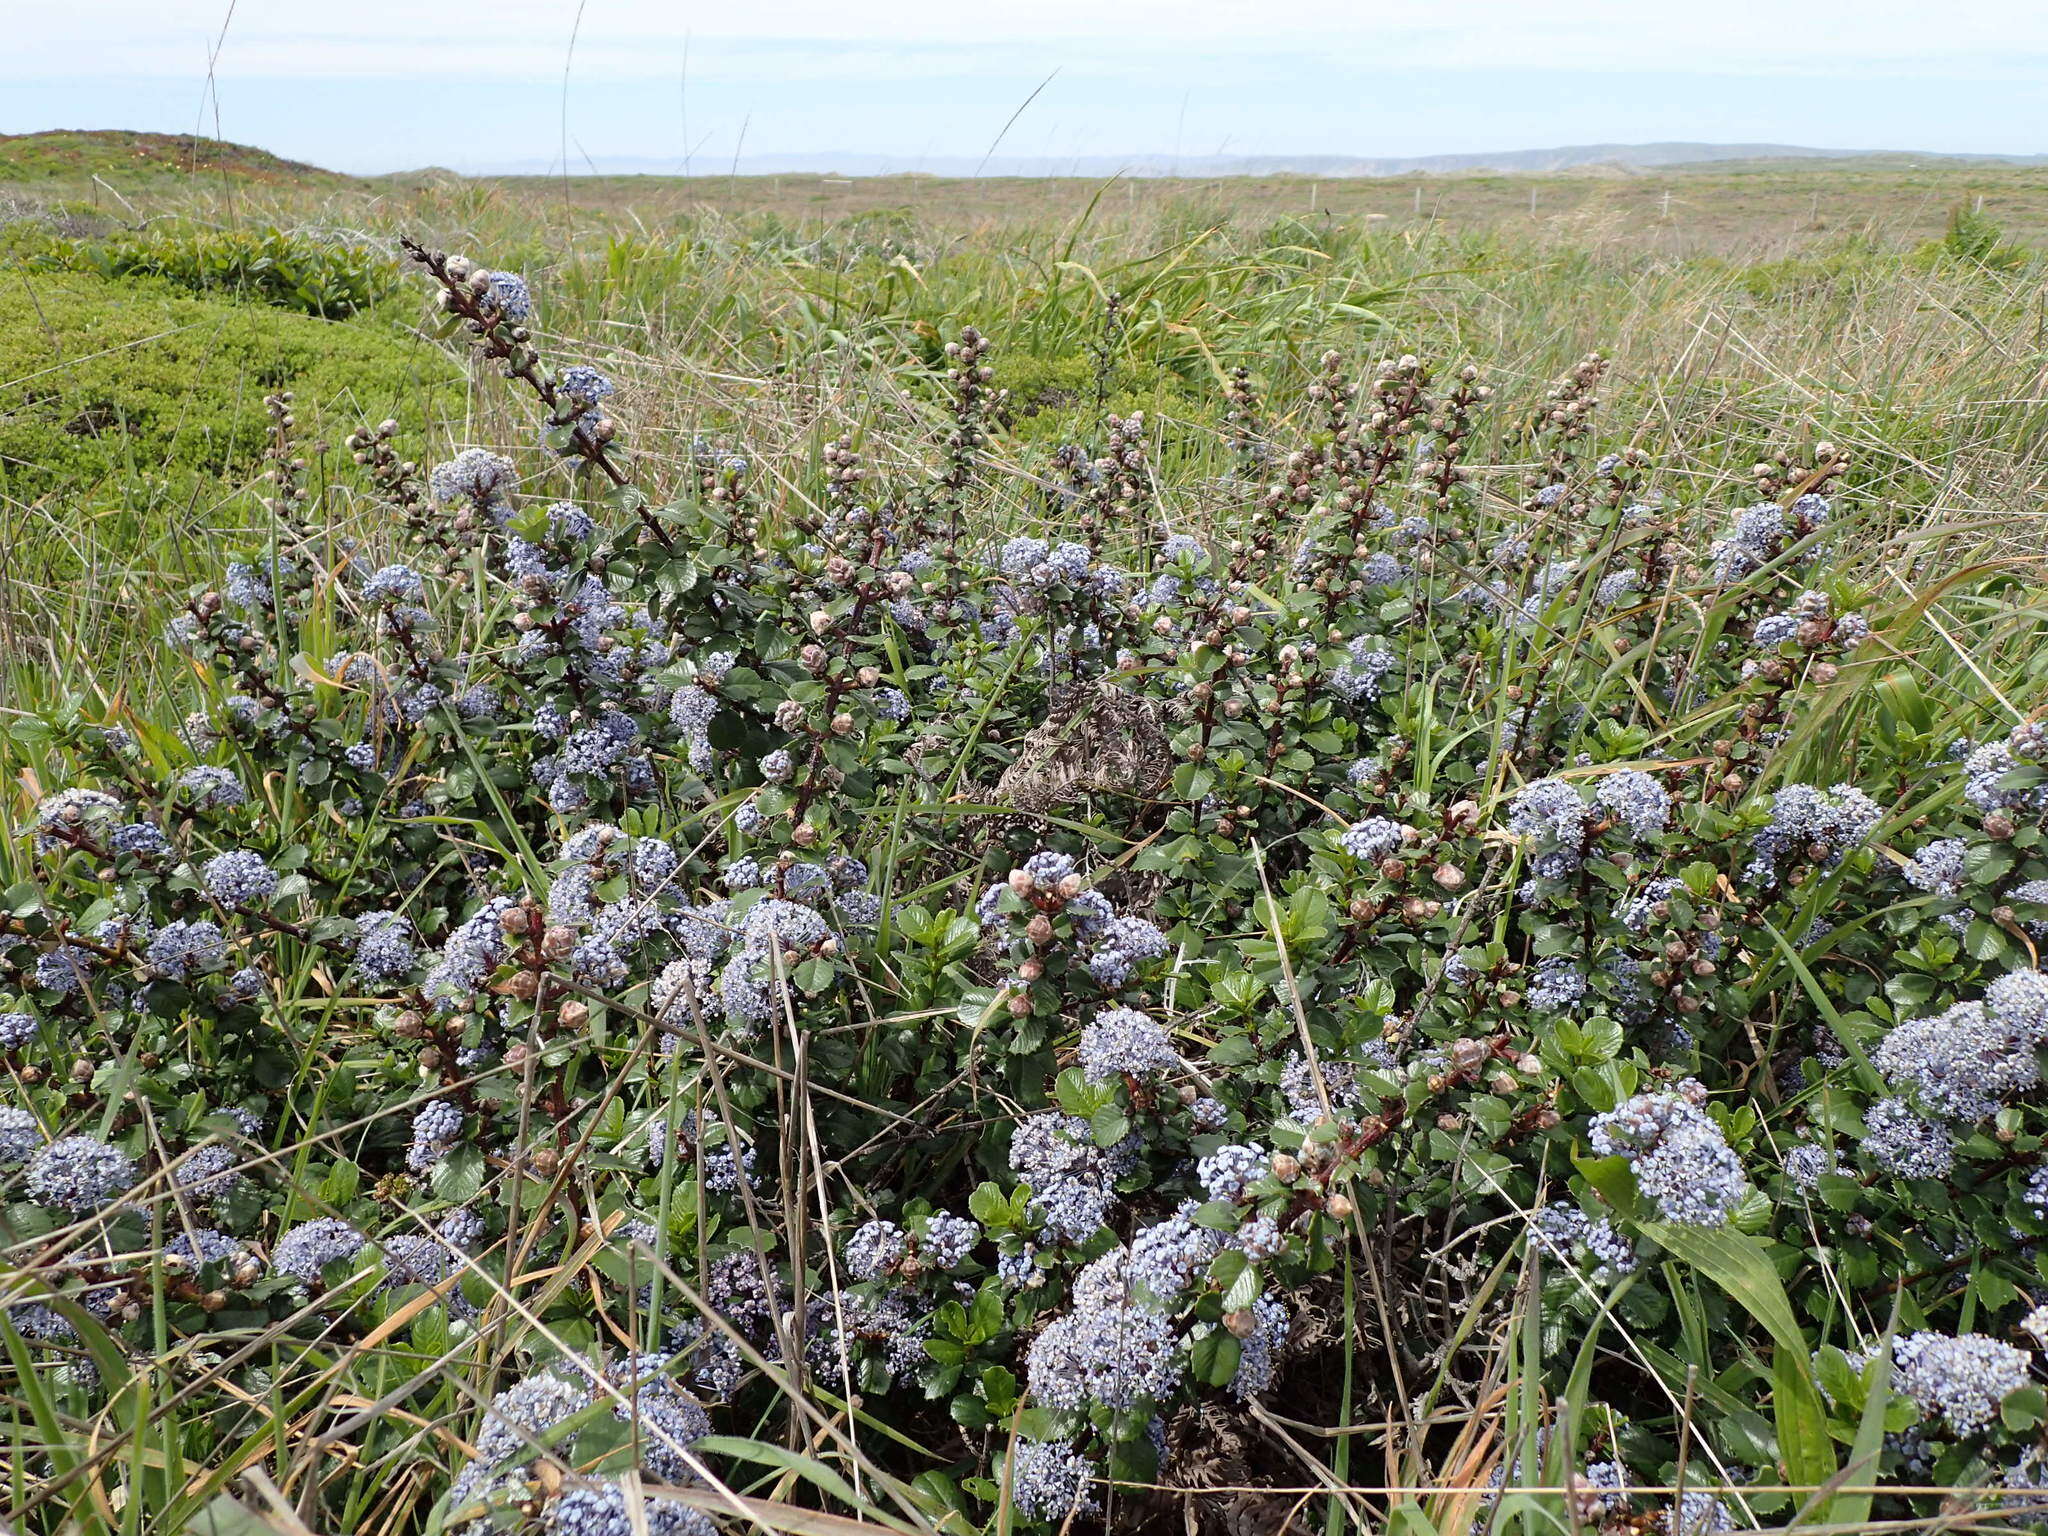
(1760, 293)
(958, 857)
(1742, 211)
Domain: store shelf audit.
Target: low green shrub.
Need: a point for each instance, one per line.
(1973, 239)
(315, 275)
(125, 390)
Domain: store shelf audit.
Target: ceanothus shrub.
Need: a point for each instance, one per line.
(640, 890)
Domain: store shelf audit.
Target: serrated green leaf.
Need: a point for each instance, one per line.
(459, 1176)
(1214, 1356)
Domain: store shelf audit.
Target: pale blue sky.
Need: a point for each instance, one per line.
(388, 84)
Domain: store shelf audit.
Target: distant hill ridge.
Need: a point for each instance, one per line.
(1586, 157)
(66, 153)
(118, 152)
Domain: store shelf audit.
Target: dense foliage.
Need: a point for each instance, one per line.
(129, 404)
(1010, 1020)
(327, 277)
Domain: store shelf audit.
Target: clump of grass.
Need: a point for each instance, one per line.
(1974, 239)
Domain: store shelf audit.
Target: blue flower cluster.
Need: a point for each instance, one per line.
(1682, 1162)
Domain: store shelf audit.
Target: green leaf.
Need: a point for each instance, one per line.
(1851, 1510)
(985, 1317)
(1227, 1266)
(1603, 1039)
(1214, 1357)
(1741, 1266)
(2024, 1409)
(341, 1183)
(1244, 1290)
(1109, 1125)
(1987, 863)
(969, 1412)
(987, 1206)
(1598, 1087)
(810, 1469)
(1838, 1379)
(999, 1386)
(1984, 941)
(459, 1176)
(1133, 1461)
(1838, 1191)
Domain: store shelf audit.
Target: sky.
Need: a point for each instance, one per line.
(379, 85)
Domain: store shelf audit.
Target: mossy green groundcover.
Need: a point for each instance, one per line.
(125, 395)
